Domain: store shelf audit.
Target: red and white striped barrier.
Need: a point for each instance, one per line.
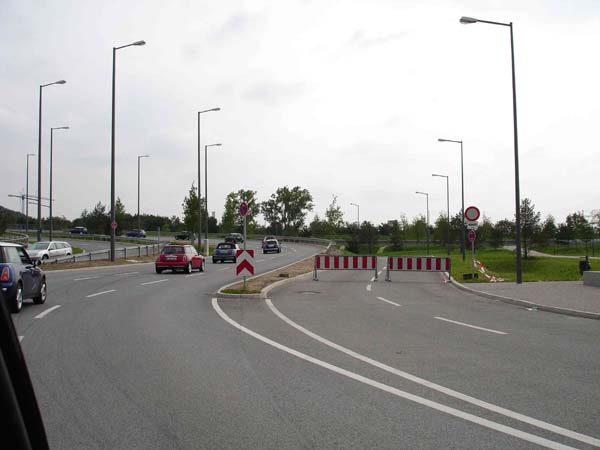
(327, 262)
(417, 264)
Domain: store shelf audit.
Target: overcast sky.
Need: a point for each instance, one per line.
(343, 98)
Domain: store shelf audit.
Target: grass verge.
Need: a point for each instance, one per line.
(102, 263)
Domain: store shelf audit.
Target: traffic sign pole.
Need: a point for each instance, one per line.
(244, 248)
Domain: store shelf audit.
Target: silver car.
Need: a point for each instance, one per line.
(44, 250)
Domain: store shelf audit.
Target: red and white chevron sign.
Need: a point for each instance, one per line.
(245, 262)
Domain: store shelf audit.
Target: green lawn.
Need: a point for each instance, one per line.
(500, 263)
(568, 250)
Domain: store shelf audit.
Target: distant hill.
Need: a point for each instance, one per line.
(9, 218)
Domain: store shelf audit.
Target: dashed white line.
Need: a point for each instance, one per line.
(224, 268)
(21, 338)
(471, 326)
(388, 301)
(372, 279)
(85, 278)
(437, 387)
(154, 282)
(259, 260)
(46, 312)
(392, 390)
(369, 287)
(194, 274)
(100, 293)
(126, 273)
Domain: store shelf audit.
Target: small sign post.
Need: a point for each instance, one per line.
(472, 236)
(243, 212)
(472, 214)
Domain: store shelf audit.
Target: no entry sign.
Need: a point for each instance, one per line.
(472, 213)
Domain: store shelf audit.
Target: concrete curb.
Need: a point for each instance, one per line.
(95, 268)
(526, 304)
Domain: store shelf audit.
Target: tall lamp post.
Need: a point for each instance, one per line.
(199, 182)
(426, 194)
(138, 214)
(468, 20)
(447, 202)
(39, 193)
(462, 188)
(51, 197)
(113, 223)
(27, 194)
(357, 213)
(206, 193)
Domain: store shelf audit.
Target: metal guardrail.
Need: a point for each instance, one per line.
(120, 253)
(16, 238)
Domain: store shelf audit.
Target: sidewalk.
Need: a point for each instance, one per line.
(565, 297)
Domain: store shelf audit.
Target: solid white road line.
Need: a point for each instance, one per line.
(369, 287)
(194, 274)
(437, 387)
(86, 278)
(21, 338)
(154, 282)
(224, 268)
(388, 301)
(46, 312)
(126, 273)
(259, 260)
(100, 293)
(471, 326)
(394, 391)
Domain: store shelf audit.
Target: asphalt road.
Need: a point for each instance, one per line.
(136, 360)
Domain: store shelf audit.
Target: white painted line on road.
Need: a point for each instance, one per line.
(372, 279)
(154, 282)
(100, 293)
(224, 268)
(259, 260)
(194, 274)
(126, 273)
(379, 273)
(85, 278)
(470, 326)
(369, 287)
(395, 391)
(21, 338)
(46, 312)
(388, 301)
(437, 387)
(383, 268)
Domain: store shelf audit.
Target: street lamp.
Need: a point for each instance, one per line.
(206, 194)
(27, 194)
(52, 198)
(199, 183)
(113, 223)
(447, 202)
(426, 194)
(357, 213)
(39, 193)
(138, 214)
(468, 20)
(462, 187)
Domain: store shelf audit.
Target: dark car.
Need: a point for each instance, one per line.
(271, 246)
(79, 230)
(20, 277)
(265, 239)
(179, 257)
(225, 251)
(136, 233)
(185, 236)
(234, 237)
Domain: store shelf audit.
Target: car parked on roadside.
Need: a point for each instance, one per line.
(78, 230)
(234, 237)
(176, 257)
(20, 277)
(225, 251)
(271, 246)
(136, 233)
(44, 250)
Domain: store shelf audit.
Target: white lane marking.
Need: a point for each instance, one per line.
(154, 282)
(85, 278)
(394, 391)
(259, 260)
(100, 293)
(388, 301)
(126, 273)
(369, 287)
(46, 312)
(437, 387)
(383, 268)
(470, 326)
(194, 274)
(372, 279)
(21, 338)
(379, 273)
(224, 268)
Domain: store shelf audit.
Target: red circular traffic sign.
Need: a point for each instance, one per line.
(114, 225)
(243, 209)
(471, 235)
(472, 213)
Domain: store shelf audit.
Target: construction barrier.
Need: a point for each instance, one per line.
(327, 262)
(416, 264)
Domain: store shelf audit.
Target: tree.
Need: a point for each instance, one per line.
(530, 222)
(419, 225)
(231, 219)
(288, 207)
(318, 227)
(271, 211)
(547, 231)
(440, 232)
(484, 231)
(120, 217)
(190, 209)
(97, 221)
(334, 216)
(368, 235)
(396, 236)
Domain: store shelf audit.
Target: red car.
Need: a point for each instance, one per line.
(179, 257)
